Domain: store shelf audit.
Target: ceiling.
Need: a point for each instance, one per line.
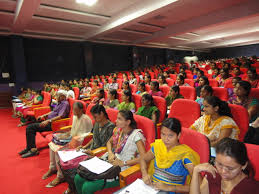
(175, 24)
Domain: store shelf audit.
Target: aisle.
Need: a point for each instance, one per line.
(19, 175)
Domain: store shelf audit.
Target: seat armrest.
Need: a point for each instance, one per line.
(99, 151)
(41, 111)
(66, 127)
(57, 125)
(124, 175)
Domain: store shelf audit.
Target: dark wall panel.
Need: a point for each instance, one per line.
(108, 58)
(53, 60)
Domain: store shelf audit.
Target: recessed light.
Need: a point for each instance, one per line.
(87, 2)
(179, 38)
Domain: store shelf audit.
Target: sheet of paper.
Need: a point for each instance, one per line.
(138, 187)
(96, 165)
(69, 155)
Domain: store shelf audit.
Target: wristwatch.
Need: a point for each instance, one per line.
(125, 163)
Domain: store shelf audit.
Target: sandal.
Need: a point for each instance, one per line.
(49, 174)
(55, 182)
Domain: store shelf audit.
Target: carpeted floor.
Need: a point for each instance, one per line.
(19, 175)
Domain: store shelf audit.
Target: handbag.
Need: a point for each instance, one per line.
(111, 173)
(74, 162)
(58, 141)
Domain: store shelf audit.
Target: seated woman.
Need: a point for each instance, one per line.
(148, 108)
(114, 85)
(231, 173)
(237, 73)
(80, 126)
(252, 135)
(171, 163)
(126, 86)
(216, 123)
(252, 77)
(36, 100)
(180, 81)
(205, 91)
(112, 100)
(242, 91)
(106, 84)
(124, 147)
(99, 99)
(22, 103)
(141, 89)
(215, 73)
(132, 80)
(95, 88)
(222, 77)
(154, 89)
(162, 80)
(85, 91)
(147, 79)
(231, 93)
(200, 73)
(70, 92)
(125, 77)
(202, 82)
(173, 95)
(126, 103)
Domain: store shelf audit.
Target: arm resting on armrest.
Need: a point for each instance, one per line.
(41, 111)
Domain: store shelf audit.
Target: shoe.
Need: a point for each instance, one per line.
(49, 174)
(55, 182)
(30, 154)
(23, 151)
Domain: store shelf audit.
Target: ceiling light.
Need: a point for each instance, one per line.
(179, 38)
(193, 34)
(87, 2)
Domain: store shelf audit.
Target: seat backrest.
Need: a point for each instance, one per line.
(189, 81)
(119, 81)
(112, 114)
(147, 87)
(170, 82)
(76, 91)
(173, 76)
(185, 110)
(148, 129)
(119, 94)
(240, 116)
(188, 92)
(214, 83)
(161, 105)
(228, 84)
(46, 99)
(137, 100)
(88, 110)
(189, 76)
(197, 141)
(253, 155)
(221, 93)
(133, 88)
(165, 90)
(254, 93)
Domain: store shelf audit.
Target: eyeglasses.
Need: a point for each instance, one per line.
(227, 168)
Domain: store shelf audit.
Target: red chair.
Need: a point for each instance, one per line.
(214, 83)
(253, 155)
(221, 93)
(240, 116)
(197, 141)
(170, 82)
(137, 100)
(88, 111)
(188, 92)
(165, 90)
(161, 105)
(147, 87)
(228, 84)
(119, 81)
(254, 93)
(112, 114)
(119, 94)
(187, 111)
(189, 81)
(40, 109)
(173, 76)
(133, 88)
(189, 76)
(77, 92)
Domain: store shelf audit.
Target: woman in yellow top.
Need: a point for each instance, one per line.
(217, 123)
(171, 163)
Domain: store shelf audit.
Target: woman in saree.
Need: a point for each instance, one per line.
(171, 163)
